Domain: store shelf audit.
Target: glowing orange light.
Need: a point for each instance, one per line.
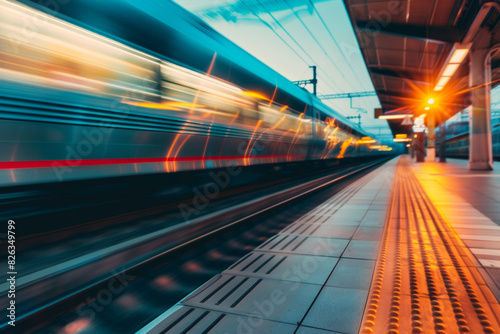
(278, 122)
(164, 281)
(245, 159)
(212, 64)
(344, 147)
(330, 121)
(255, 95)
(399, 116)
(274, 94)
(170, 151)
(168, 105)
(206, 142)
(76, 326)
(179, 149)
(371, 141)
(365, 140)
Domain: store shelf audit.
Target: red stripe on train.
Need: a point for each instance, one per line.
(100, 162)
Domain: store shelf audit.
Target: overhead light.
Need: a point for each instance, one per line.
(427, 108)
(399, 116)
(443, 81)
(455, 58)
(431, 101)
(401, 140)
(423, 115)
(408, 145)
(450, 69)
(401, 136)
(459, 55)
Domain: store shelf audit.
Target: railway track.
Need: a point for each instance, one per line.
(75, 303)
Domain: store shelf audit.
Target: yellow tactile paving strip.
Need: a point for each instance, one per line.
(421, 283)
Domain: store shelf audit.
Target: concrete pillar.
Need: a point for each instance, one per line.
(420, 146)
(480, 149)
(442, 142)
(431, 136)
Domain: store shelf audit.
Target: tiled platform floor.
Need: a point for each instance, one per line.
(316, 275)
(424, 281)
(470, 202)
(311, 278)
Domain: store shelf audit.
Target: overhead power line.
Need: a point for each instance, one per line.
(276, 21)
(346, 95)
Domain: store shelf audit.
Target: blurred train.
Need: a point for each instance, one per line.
(92, 88)
(457, 140)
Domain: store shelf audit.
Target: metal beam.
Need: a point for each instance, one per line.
(391, 93)
(408, 69)
(428, 33)
(346, 95)
(403, 75)
(313, 81)
(302, 82)
(495, 63)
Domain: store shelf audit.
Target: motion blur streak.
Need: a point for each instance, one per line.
(160, 93)
(250, 142)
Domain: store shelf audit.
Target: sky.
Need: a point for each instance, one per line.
(291, 35)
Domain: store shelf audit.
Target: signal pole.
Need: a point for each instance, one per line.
(313, 81)
(354, 117)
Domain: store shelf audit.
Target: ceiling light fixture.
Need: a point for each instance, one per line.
(455, 58)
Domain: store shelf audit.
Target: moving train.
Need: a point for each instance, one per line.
(92, 88)
(457, 140)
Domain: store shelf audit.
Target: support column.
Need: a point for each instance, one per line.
(420, 146)
(442, 142)
(480, 149)
(431, 137)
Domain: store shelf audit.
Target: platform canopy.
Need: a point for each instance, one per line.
(407, 46)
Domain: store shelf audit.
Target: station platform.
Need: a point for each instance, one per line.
(470, 202)
(397, 251)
